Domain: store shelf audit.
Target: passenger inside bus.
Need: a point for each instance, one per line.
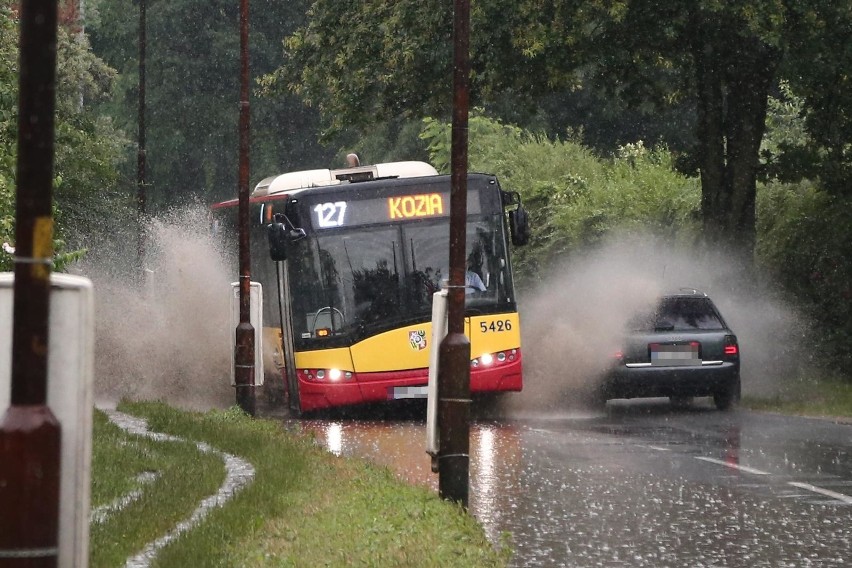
(472, 279)
(473, 282)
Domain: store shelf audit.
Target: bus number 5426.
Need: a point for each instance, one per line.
(495, 325)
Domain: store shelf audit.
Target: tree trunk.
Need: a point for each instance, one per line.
(711, 135)
(748, 92)
(733, 76)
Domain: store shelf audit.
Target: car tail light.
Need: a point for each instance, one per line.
(732, 349)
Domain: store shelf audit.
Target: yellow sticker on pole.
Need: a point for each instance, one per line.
(42, 247)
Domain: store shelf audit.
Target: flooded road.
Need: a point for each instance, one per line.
(641, 484)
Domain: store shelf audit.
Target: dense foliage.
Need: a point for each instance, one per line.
(611, 98)
(819, 72)
(805, 240)
(713, 76)
(574, 197)
(8, 126)
(192, 94)
(88, 148)
(708, 65)
(804, 224)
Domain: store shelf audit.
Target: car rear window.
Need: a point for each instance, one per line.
(679, 314)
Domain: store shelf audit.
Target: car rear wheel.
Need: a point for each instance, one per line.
(728, 397)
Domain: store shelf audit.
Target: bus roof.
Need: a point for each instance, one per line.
(293, 182)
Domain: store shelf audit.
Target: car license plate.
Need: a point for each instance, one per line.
(667, 355)
(408, 392)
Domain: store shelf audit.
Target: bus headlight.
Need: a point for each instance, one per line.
(330, 375)
(495, 359)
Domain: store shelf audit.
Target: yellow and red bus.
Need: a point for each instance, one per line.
(349, 261)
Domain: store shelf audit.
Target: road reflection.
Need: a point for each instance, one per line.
(640, 484)
(495, 458)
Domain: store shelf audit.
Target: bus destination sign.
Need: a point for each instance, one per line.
(396, 208)
(415, 206)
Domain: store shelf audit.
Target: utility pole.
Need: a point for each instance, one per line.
(30, 434)
(141, 197)
(454, 351)
(244, 370)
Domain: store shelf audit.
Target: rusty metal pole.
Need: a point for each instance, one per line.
(30, 434)
(141, 196)
(454, 353)
(244, 351)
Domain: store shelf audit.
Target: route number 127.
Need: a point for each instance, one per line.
(330, 214)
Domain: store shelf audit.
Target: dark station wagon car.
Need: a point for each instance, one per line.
(681, 349)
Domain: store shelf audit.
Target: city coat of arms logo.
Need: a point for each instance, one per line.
(417, 339)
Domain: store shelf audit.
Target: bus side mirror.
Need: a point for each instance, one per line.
(277, 234)
(519, 225)
(280, 236)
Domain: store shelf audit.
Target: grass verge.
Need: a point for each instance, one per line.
(306, 507)
(825, 397)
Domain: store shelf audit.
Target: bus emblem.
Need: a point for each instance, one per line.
(417, 339)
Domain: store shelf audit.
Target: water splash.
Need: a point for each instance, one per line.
(166, 339)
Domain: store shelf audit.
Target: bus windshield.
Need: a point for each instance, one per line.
(347, 283)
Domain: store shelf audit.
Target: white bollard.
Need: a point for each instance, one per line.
(439, 331)
(70, 370)
(256, 320)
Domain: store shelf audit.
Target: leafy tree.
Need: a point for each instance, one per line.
(804, 239)
(8, 126)
(87, 147)
(786, 151)
(804, 224)
(192, 93)
(575, 198)
(821, 40)
(352, 61)
(361, 61)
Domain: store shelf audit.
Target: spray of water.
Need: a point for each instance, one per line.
(572, 322)
(166, 338)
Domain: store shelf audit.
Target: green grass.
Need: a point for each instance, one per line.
(825, 397)
(117, 460)
(306, 507)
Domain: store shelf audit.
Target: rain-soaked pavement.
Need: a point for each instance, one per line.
(641, 484)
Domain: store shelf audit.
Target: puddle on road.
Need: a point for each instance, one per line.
(495, 458)
(398, 446)
(566, 499)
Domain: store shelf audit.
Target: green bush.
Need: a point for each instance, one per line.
(803, 239)
(574, 197)
(88, 200)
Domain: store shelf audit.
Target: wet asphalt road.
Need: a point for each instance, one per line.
(642, 484)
